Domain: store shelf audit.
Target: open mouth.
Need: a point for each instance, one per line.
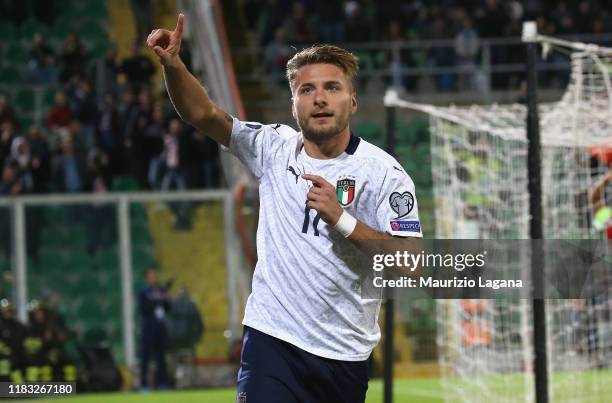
(322, 115)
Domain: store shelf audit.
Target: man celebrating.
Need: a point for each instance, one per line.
(308, 331)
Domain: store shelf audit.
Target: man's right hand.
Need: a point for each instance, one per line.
(167, 44)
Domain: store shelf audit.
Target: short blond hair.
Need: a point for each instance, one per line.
(329, 54)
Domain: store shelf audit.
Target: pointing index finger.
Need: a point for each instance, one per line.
(315, 179)
(179, 25)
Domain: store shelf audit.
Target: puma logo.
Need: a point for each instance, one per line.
(297, 175)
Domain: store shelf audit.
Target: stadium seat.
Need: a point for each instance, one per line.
(98, 48)
(79, 260)
(366, 60)
(29, 27)
(94, 334)
(370, 131)
(50, 258)
(107, 260)
(27, 121)
(89, 311)
(25, 100)
(406, 132)
(140, 233)
(142, 256)
(10, 75)
(124, 184)
(8, 32)
(48, 97)
(61, 28)
(91, 8)
(15, 54)
(5, 263)
(138, 212)
(54, 213)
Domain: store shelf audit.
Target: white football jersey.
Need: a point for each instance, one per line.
(306, 289)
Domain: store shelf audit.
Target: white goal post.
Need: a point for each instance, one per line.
(479, 170)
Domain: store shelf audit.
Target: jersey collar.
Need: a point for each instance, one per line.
(352, 145)
(350, 148)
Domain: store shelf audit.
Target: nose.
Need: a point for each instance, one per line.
(319, 99)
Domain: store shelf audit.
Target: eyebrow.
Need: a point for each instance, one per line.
(326, 83)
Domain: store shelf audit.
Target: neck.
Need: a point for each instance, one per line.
(330, 148)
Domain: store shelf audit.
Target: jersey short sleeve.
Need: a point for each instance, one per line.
(256, 144)
(248, 142)
(398, 212)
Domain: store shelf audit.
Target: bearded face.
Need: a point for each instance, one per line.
(323, 101)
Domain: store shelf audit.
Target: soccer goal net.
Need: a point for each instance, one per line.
(479, 170)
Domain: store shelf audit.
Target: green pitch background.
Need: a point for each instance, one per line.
(567, 386)
(406, 391)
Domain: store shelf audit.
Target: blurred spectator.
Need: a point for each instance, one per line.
(299, 27)
(59, 115)
(44, 11)
(185, 55)
(68, 168)
(584, 17)
(138, 68)
(396, 61)
(137, 148)
(7, 135)
(155, 135)
(357, 28)
(86, 111)
(441, 56)
(563, 20)
(7, 113)
(100, 217)
(142, 18)
(75, 132)
(154, 303)
(330, 20)
(99, 176)
(61, 360)
(273, 12)
(11, 184)
(22, 159)
(39, 341)
(208, 160)
(108, 72)
(277, 53)
(41, 67)
(12, 336)
(177, 161)
(41, 160)
(110, 137)
(74, 58)
(175, 148)
(492, 18)
(186, 326)
(253, 10)
(392, 10)
(466, 48)
(20, 153)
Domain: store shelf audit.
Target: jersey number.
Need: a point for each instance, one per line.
(315, 222)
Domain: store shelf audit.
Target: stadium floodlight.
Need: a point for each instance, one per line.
(480, 176)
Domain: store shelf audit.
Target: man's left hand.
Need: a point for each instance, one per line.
(322, 197)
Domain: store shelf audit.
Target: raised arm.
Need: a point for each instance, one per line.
(187, 95)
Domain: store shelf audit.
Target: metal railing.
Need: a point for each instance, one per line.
(401, 61)
(122, 202)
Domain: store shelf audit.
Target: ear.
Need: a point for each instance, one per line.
(293, 110)
(353, 102)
